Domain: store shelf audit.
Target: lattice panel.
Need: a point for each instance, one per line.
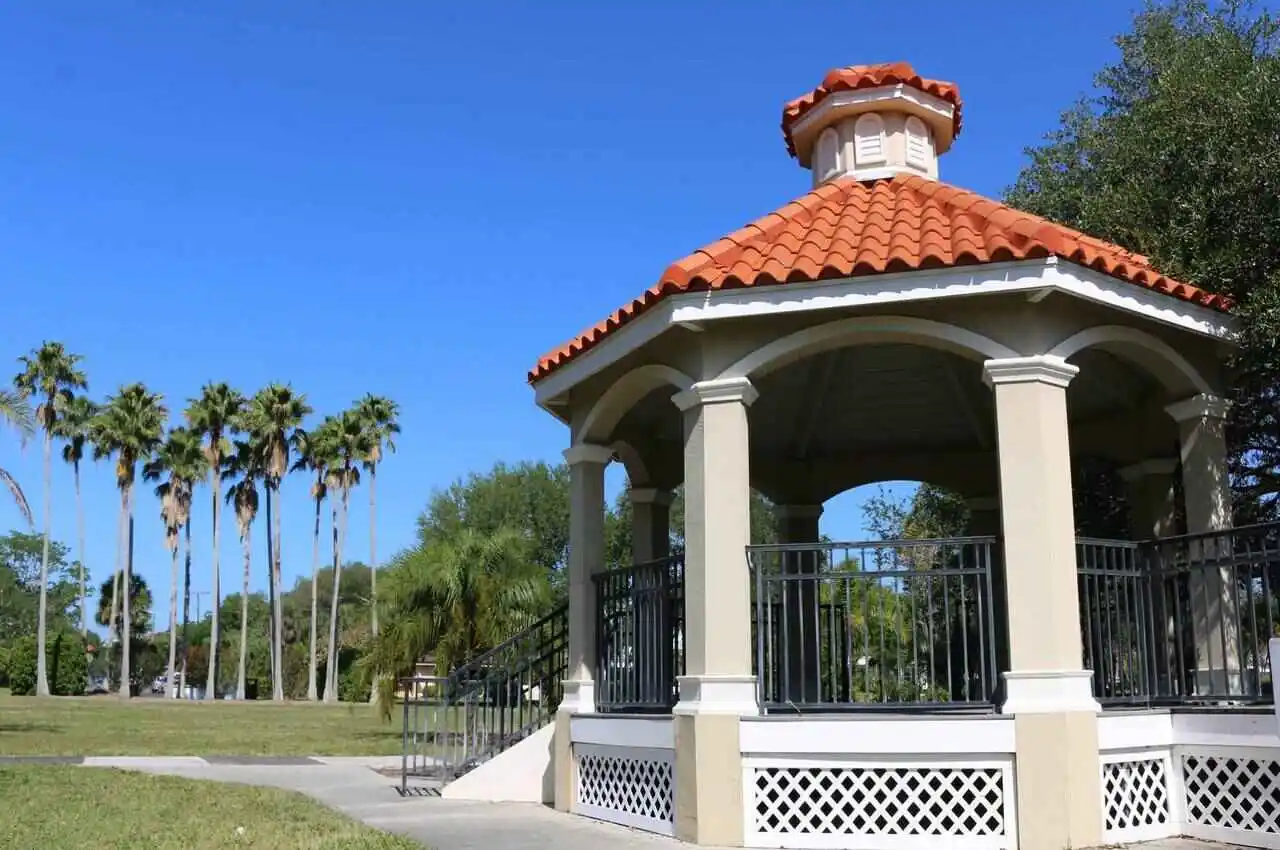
(615, 780)
(880, 801)
(1135, 796)
(1232, 792)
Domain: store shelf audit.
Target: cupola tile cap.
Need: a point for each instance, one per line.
(859, 77)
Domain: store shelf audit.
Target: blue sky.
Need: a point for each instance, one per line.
(418, 199)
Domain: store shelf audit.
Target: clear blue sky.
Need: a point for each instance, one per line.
(417, 199)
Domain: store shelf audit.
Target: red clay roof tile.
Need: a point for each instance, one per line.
(866, 77)
(848, 228)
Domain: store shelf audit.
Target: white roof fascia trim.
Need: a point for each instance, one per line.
(936, 105)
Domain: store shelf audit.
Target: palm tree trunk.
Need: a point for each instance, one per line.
(215, 483)
(331, 665)
(170, 682)
(313, 693)
(126, 689)
(121, 526)
(186, 608)
(247, 540)
(271, 598)
(373, 549)
(277, 688)
(42, 675)
(84, 606)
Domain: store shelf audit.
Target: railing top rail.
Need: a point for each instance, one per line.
(643, 565)
(1254, 528)
(1106, 541)
(479, 661)
(901, 543)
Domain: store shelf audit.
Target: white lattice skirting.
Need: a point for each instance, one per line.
(1137, 796)
(805, 803)
(1232, 794)
(631, 786)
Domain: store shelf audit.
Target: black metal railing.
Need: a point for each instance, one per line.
(1114, 589)
(879, 625)
(1215, 609)
(488, 704)
(639, 636)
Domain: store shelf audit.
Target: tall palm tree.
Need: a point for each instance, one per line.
(181, 457)
(215, 414)
(245, 463)
(348, 442)
(313, 456)
(73, 428)
(130, 427)
(274, 413)
(50, 372)
(15, 411)
(381, 419)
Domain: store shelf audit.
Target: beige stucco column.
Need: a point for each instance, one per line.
(800, 613)
(1206, 493)
(1047, 691)
(586, 556)
(1153, 512)
(719, 686)
(650, 523)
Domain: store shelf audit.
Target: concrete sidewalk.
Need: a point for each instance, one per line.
(354, 788)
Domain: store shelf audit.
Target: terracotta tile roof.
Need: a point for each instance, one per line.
(848, 228)
(867, 77)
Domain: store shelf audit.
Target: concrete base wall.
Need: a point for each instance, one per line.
(522, 774)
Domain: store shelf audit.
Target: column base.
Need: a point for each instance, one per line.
(1058, 780)
(707, 694)
(708, 778)
(579, 697)
(1048, 692)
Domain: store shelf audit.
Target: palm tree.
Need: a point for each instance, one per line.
(380, 416)
(348, 442)
(181, 457)
(73, 427)
(245, 463)
(52, 372)
(15, 411)
(130, 427)
(274, 413)
(313, 456)
(215, 414)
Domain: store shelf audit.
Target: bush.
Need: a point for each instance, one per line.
(22, 667)
(4, 666)
(68, 669)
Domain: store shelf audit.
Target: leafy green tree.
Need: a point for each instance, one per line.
(52, 373)
(129, 427)
(21, 559)
(1175, 155)
(138, 609)
(381, 419)
(72, 426)
(215, 415)
(15, 411)
(273, 415)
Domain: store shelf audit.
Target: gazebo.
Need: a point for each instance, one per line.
(889, 326)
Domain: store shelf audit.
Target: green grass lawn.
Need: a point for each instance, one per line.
(104, 726)
(66, 808)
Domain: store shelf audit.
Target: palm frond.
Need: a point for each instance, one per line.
(11, 485)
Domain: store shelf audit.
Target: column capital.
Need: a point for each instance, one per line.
(1151, 466)
(587, 453)
(798, 511)
(1202, 406)
(717, 391)
(649, 496)
(1039, 369)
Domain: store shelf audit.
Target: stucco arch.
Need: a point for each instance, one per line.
(609, 409)
(637, 470)
(1154, 355)
(866, 329)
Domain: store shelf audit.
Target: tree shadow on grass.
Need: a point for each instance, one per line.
(28, 726)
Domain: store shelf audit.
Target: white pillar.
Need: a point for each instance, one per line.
(1153, 513)
(1047, 690)
(650, 524)
(719, 686)
(586, 557)
(1206, 493)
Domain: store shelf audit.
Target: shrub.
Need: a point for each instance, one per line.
(4, 666)
(22, 667)
(68, 669)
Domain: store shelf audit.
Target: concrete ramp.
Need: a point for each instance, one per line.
(521, 774)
